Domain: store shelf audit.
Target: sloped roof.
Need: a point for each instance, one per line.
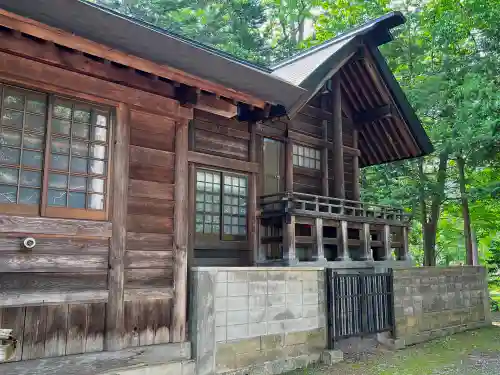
(144, 40)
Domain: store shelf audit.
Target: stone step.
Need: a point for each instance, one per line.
(171, 368)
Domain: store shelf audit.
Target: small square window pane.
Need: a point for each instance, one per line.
(99, 134)
(200, 186)
(200, 207)
(207, 228)
(97, 185)
(98, 151)
(208, 198)
(216, 208)
(200, 176)
(32, 159)
(95, 202)
(208, 187)
(227, 189)
(227, 209)
(294, 149)
(243, 192)
(217, 178)
(295, 159)
(60, 145)
(29, 196)
(234, 201)
(227, 180)
(234, 210)
(99, 118)
(80, 130)
(12, 118)
(36, 104)
(318, 165)
(243, 211)
(242, 221)
(199, 228)
(208, 219)
(62, 109)
(209, 177)
(81, 114)
(200, 197)
(60, 126)
(227, 229)
(243, 182)
(8, 194)
(76, 200)
(58, 181)
(242, 201)
(243, 230)
(216, 219)
(234, 220)
(234, 230)
(227, 220)
(59, 162)
(78, 183)
(97, 167)
(216, 228)
(13, 99)
(56, 198)
(216, 198)
(9, 176)
(216, 188)
(208, 207)
(29, 178)
(10, 138)
(35, 122)
(78, 165)
(79, 148)
(33, 141)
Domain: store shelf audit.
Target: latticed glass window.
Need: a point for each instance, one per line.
(221, 204)
(306, 157)
(53, 155)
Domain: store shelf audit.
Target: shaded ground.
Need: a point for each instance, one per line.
(469, 353)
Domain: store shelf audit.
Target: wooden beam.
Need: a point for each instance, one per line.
(222, 162)
(45, 32)
(356, 195)
(320, 249)
(338, 150)
(387, 242)
(343, 242)
(221, 107)
(178, 329)
(40, 75)
(320, 143)
(289, 220)
(367, 239)
(373, 114)
(115, 315)
(253, 221)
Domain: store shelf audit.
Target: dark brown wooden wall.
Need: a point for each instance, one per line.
(309, 121)
(215, 135)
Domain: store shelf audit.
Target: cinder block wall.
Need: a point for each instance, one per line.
(432, 302)
(253, 319)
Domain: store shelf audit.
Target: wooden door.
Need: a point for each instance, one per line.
(273, 166)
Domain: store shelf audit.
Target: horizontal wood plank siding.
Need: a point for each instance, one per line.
(150, 224)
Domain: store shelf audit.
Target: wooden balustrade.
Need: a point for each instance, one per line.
(318, 212)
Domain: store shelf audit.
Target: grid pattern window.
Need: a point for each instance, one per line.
(306, 157)
(54, 155)
(221, 198)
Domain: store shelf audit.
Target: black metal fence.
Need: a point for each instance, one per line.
(359, 304)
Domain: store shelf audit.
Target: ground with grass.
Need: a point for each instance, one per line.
(468, 353)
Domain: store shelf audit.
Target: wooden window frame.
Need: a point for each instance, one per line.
(42, 209)
(316, 159)
(203, 240)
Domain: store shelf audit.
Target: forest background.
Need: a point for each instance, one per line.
(447, 59)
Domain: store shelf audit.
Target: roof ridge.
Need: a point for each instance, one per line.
(389, 18)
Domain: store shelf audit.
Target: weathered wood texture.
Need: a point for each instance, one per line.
(114, 307)
(150, 210)
(55, 330)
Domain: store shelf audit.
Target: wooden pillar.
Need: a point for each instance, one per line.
(356, 195)
(338, 146)
(343, 242)
(178, 329)
(387, 242)
(324, 156)
(366, 242)
(253, 223)
(320, 250)
(115, 324)
(404, 244)
(289, 220)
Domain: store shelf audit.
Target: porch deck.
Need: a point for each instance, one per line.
(298, 227)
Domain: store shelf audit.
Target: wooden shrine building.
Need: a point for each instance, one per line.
(129, 154)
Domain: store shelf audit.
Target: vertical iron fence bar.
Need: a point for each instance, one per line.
(390, 289)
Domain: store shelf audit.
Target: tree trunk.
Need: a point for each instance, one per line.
(429, 224)
(465, 210)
